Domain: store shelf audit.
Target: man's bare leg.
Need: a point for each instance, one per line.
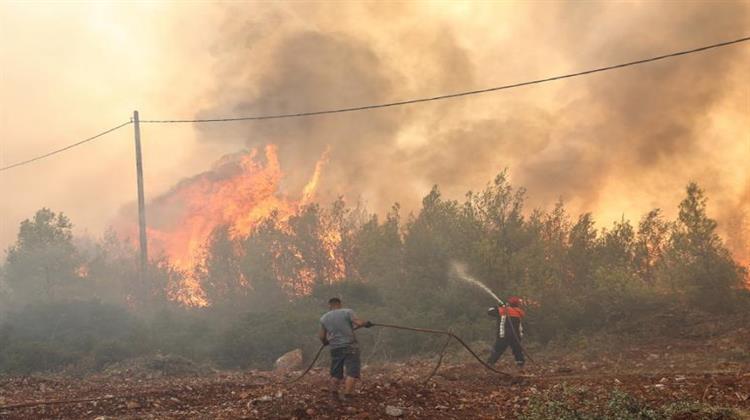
(349, 385)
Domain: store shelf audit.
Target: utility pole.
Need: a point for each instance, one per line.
(141, 200)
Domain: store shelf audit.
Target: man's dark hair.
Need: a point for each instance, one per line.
(334, 301)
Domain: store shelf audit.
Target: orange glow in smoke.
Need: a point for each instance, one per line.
(239, 200)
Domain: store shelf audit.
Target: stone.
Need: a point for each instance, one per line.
(289, 361)
(265, 398)
(394, 411)
(132, 405)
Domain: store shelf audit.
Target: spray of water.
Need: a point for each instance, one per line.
(460, 270)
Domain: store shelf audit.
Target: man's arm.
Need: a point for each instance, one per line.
(360, 323)
(322, 335)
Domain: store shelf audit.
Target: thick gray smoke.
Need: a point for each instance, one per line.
(611, 142)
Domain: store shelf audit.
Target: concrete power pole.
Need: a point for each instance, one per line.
(141, 200)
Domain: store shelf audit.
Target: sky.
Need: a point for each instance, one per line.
(616, 144)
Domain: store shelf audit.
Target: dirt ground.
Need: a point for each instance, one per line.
(713, 373)
(703, 365)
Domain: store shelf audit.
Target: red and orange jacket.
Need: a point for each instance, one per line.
(508, 321)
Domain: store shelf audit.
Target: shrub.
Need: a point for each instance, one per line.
(49, 336)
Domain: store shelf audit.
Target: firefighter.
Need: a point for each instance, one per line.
(337, 330)
(509, 330)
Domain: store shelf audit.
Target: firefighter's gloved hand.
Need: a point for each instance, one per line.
(367, 324)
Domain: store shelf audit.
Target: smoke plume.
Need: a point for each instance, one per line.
(623, 141)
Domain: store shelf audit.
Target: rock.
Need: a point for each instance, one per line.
(289, 361)
(265, 398)
(132, 405)
(394, 411)
(310, 412)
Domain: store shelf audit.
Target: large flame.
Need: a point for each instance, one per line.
(238, 193)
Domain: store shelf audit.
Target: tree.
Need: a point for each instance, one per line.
(581, 251)
(697, 262)
(379, 251)
(110, 273)
(43, 263)
(617, 248)
(650, 244)
(4, 292)
(220, 275)
(432, 241)
(266, 263)
(495, 220)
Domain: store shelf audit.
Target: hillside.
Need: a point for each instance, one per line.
(678, 366)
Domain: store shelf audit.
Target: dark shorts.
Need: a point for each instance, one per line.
(345, 358)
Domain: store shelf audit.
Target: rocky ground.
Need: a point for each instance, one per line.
(674, 378)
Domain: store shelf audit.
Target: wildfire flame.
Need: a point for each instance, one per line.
(238, 193)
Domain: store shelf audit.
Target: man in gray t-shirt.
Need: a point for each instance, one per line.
(337, 330)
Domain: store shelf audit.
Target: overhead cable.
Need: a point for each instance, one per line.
(450, 95)
(68, 147)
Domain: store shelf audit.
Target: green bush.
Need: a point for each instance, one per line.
(49, 336)
(24, 357)
(112, 351)
(566, 402)
(258, 339)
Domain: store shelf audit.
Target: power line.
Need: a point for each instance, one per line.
(453, 95)
(15, 165)
(389, 104)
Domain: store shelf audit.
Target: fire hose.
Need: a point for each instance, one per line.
(449, 336)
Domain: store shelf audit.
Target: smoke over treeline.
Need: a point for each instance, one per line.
(609, 143)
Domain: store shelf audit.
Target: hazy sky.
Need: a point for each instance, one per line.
(616, 143)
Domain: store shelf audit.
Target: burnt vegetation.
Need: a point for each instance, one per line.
(75, 304)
